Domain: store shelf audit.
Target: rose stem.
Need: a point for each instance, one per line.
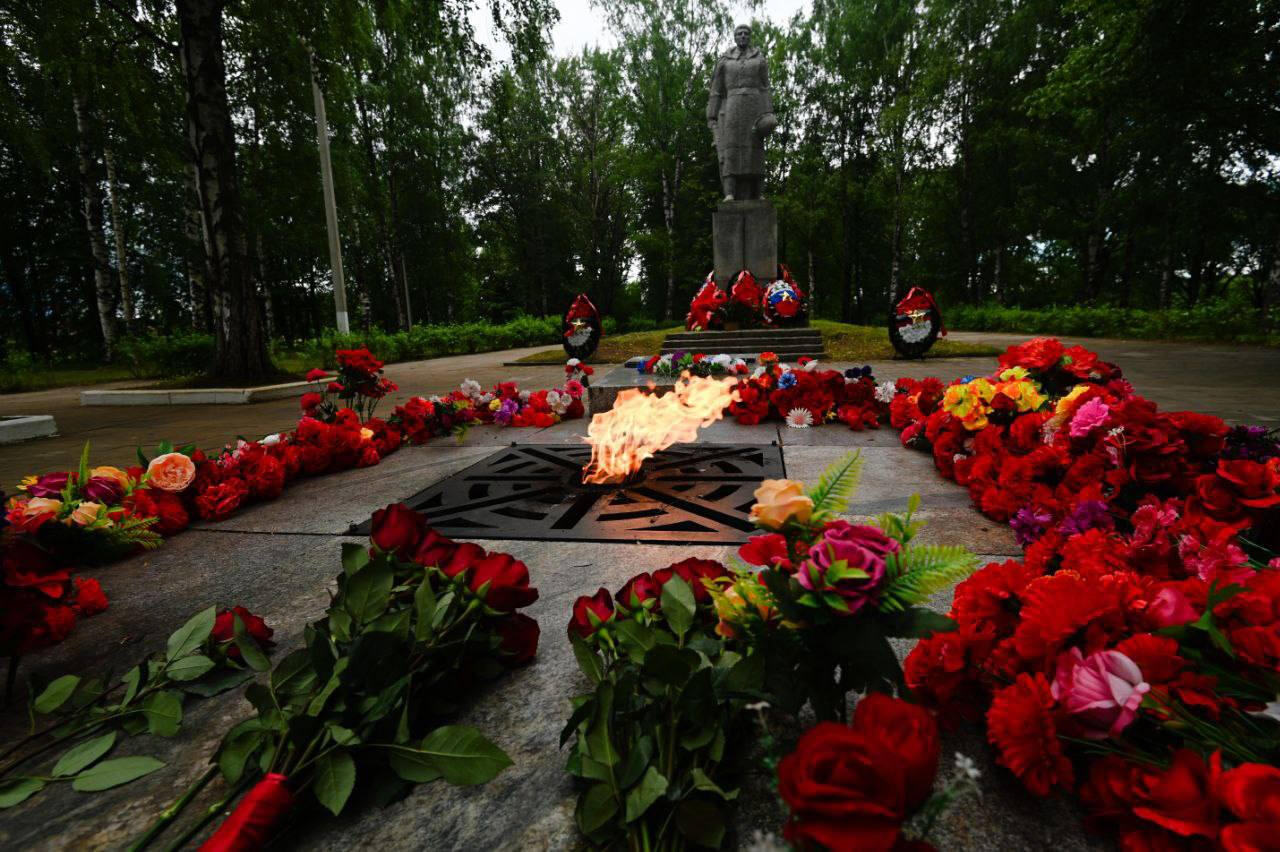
(210, 813)
(170, 813)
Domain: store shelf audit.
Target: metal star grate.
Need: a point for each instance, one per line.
(687, 494)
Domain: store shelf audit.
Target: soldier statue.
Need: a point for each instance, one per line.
(740, 115)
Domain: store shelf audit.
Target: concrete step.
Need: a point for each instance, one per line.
(777, 334)
(783, 354)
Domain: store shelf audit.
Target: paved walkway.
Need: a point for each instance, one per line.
(1239, 383)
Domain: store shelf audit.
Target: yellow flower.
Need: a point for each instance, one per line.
(366, 434)
(1067, 403)
(778, 501)
(28, 481)
(1013, 374)
(109, 472)
(495, 404)
(86, 513)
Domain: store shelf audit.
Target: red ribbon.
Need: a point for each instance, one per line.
(918, 299)
(250, 824)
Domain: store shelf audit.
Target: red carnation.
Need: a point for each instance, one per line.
(310, 401)
(1020, 724)
(90, 599)
(166, 507)
(219, 502)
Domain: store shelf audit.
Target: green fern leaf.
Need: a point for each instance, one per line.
(917, 573)
(832, 493)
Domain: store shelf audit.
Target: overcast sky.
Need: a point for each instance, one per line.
(582, 25)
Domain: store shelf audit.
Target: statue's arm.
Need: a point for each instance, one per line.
(716, 93)
(766, 92)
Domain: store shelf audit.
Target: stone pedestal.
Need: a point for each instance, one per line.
(744, 235)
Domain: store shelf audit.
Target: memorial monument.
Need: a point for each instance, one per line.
(740, 116)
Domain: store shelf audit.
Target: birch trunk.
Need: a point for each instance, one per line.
(240, 346)
(117, 230)
(91, 210)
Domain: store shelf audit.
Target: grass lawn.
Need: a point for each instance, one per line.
(40, 378)
(842, 341)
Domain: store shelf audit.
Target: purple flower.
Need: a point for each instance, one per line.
(1029, 523)
(860, 548)
(1087, 515)
(506, 411)
(49, 485)
(103, 489)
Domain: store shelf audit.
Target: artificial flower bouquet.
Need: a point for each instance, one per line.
(359, 385)
(806, 396)
(649, 740)
(576, 371)
(694, 363)
(416, 621)
(824, 596)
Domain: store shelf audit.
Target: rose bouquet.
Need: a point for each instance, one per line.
(825, 595)
(203, 657)
(359, 385)
(417, 620)
(650, 738)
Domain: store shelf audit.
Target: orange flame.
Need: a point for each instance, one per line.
(640, 424)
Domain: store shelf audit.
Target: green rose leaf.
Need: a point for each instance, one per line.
(163, 711)
(113, 773)
(367, 594)
(55, 694)
(190, 668)
(678, 605)
(595, 808)
(652, 785)
(412, 765)
(18, 790)
(249, 649)
(587, 659)
(335, 779)
(354, 557)
(220, 682)
(701, 781)
(191, 635)
(463, 755)
(84, 754)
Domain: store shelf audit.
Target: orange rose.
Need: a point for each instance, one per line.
(171, 472)
(85, 514)
(42, 506)
(115, 474)
(778, 501)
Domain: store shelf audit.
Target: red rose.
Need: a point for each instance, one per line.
(637, 590)
(693, 571)
(910, 732)
(591, 612)
(397, 529)
(1252, 792)
(90, 599)
(462, 558)
(315, 374)
(766, 550)
(224, 629)
(218, 502)
(502, 582)
(434, 549)
(518, 635)
(846, 790)
(1257, 483)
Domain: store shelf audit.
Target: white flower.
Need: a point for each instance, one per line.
(1271, 711)
(1047, 431)
(761, 841)
(886, 391)
(470, 387)
(524, 395)
(757, 373)
(434, 398)
(811, 366)
(757, 705)
(271, 440)
(966, 767)
(722, 360)
(572, 362)
(486, 397)
(799, 418)
(786, 368)
(553, 396)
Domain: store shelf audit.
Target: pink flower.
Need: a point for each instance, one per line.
(574, 388)
(844, 547)
(1103, 692)
(1221, 561)
(1088, 417)
(1170, 606)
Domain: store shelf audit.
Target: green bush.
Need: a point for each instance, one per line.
(154, 357)
(435, 341)
(1222, 321)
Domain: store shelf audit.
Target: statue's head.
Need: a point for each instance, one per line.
(742, 36)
